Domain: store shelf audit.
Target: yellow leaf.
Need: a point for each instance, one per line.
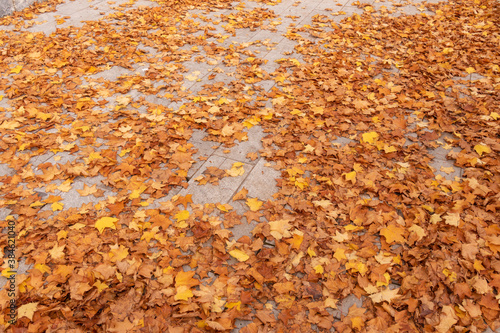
(27, 310)
(37, 204)
(339, 254)
(351, 176)
(224, 208)
(480, 149)
(10, 124)
(214, 109)
(389, 149)
(16, 69)
(231, 305)
(357, 266)
(105, 222)
(100, 285)
(227, 130)
(393, 233)
(182, 215)
(470, 70)
(185, 279)
(318, 269)
(43, 268)
(56, 206)
(236, 170)
(331, 303)
(452, 276)
(183, 293)
(370, 137)
(7, 273)
(77, 226)
(493, 115)
(137, 192)
(254, 204)
(66, 186)
(117, 253)
(239, 254)
(478, 266)
(62, 234)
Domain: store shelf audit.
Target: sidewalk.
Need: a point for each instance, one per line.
(256, 167)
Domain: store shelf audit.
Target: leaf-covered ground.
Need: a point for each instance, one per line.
(382, 127)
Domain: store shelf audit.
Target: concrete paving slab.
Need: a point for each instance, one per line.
(240, 151)
(258, 179)
(261, 182)
(5, 170)
(73, 199)
(205, 150)
(215, 193)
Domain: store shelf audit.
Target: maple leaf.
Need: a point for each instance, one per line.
(241, 195)
(123, 100)
(183, 200)
(27, 310)
(57, 252)
(470, 70)
(386, 295)
(448, 318)
(481, 149)
(452, 219)
(351, 176)
(447, 170)
(280, 229)
(57, 206)
(16, 69)
(181, 218)
(87, 190)
(393, 233)
(236, 170)
(100, 285)
(118, 253)
(183, 293)
(254, 204)
(370, 137)
(105, 222)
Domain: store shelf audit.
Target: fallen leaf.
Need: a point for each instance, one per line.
(105, 222)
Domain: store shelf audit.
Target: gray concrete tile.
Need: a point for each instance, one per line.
(239, 152)
(348, 302)
(440, 161)
(221, 193)
(351, 10)
(111, 74)
(334, 5)
(5, 170)
(71, 7)
(261, 182)
(205, 149)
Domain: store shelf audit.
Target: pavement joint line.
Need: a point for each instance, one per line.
(239, 185)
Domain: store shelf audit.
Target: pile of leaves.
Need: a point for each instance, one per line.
(370, 218)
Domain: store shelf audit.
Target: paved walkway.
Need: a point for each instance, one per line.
(97, 147)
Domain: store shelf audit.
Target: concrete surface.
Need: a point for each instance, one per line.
(258, 177)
